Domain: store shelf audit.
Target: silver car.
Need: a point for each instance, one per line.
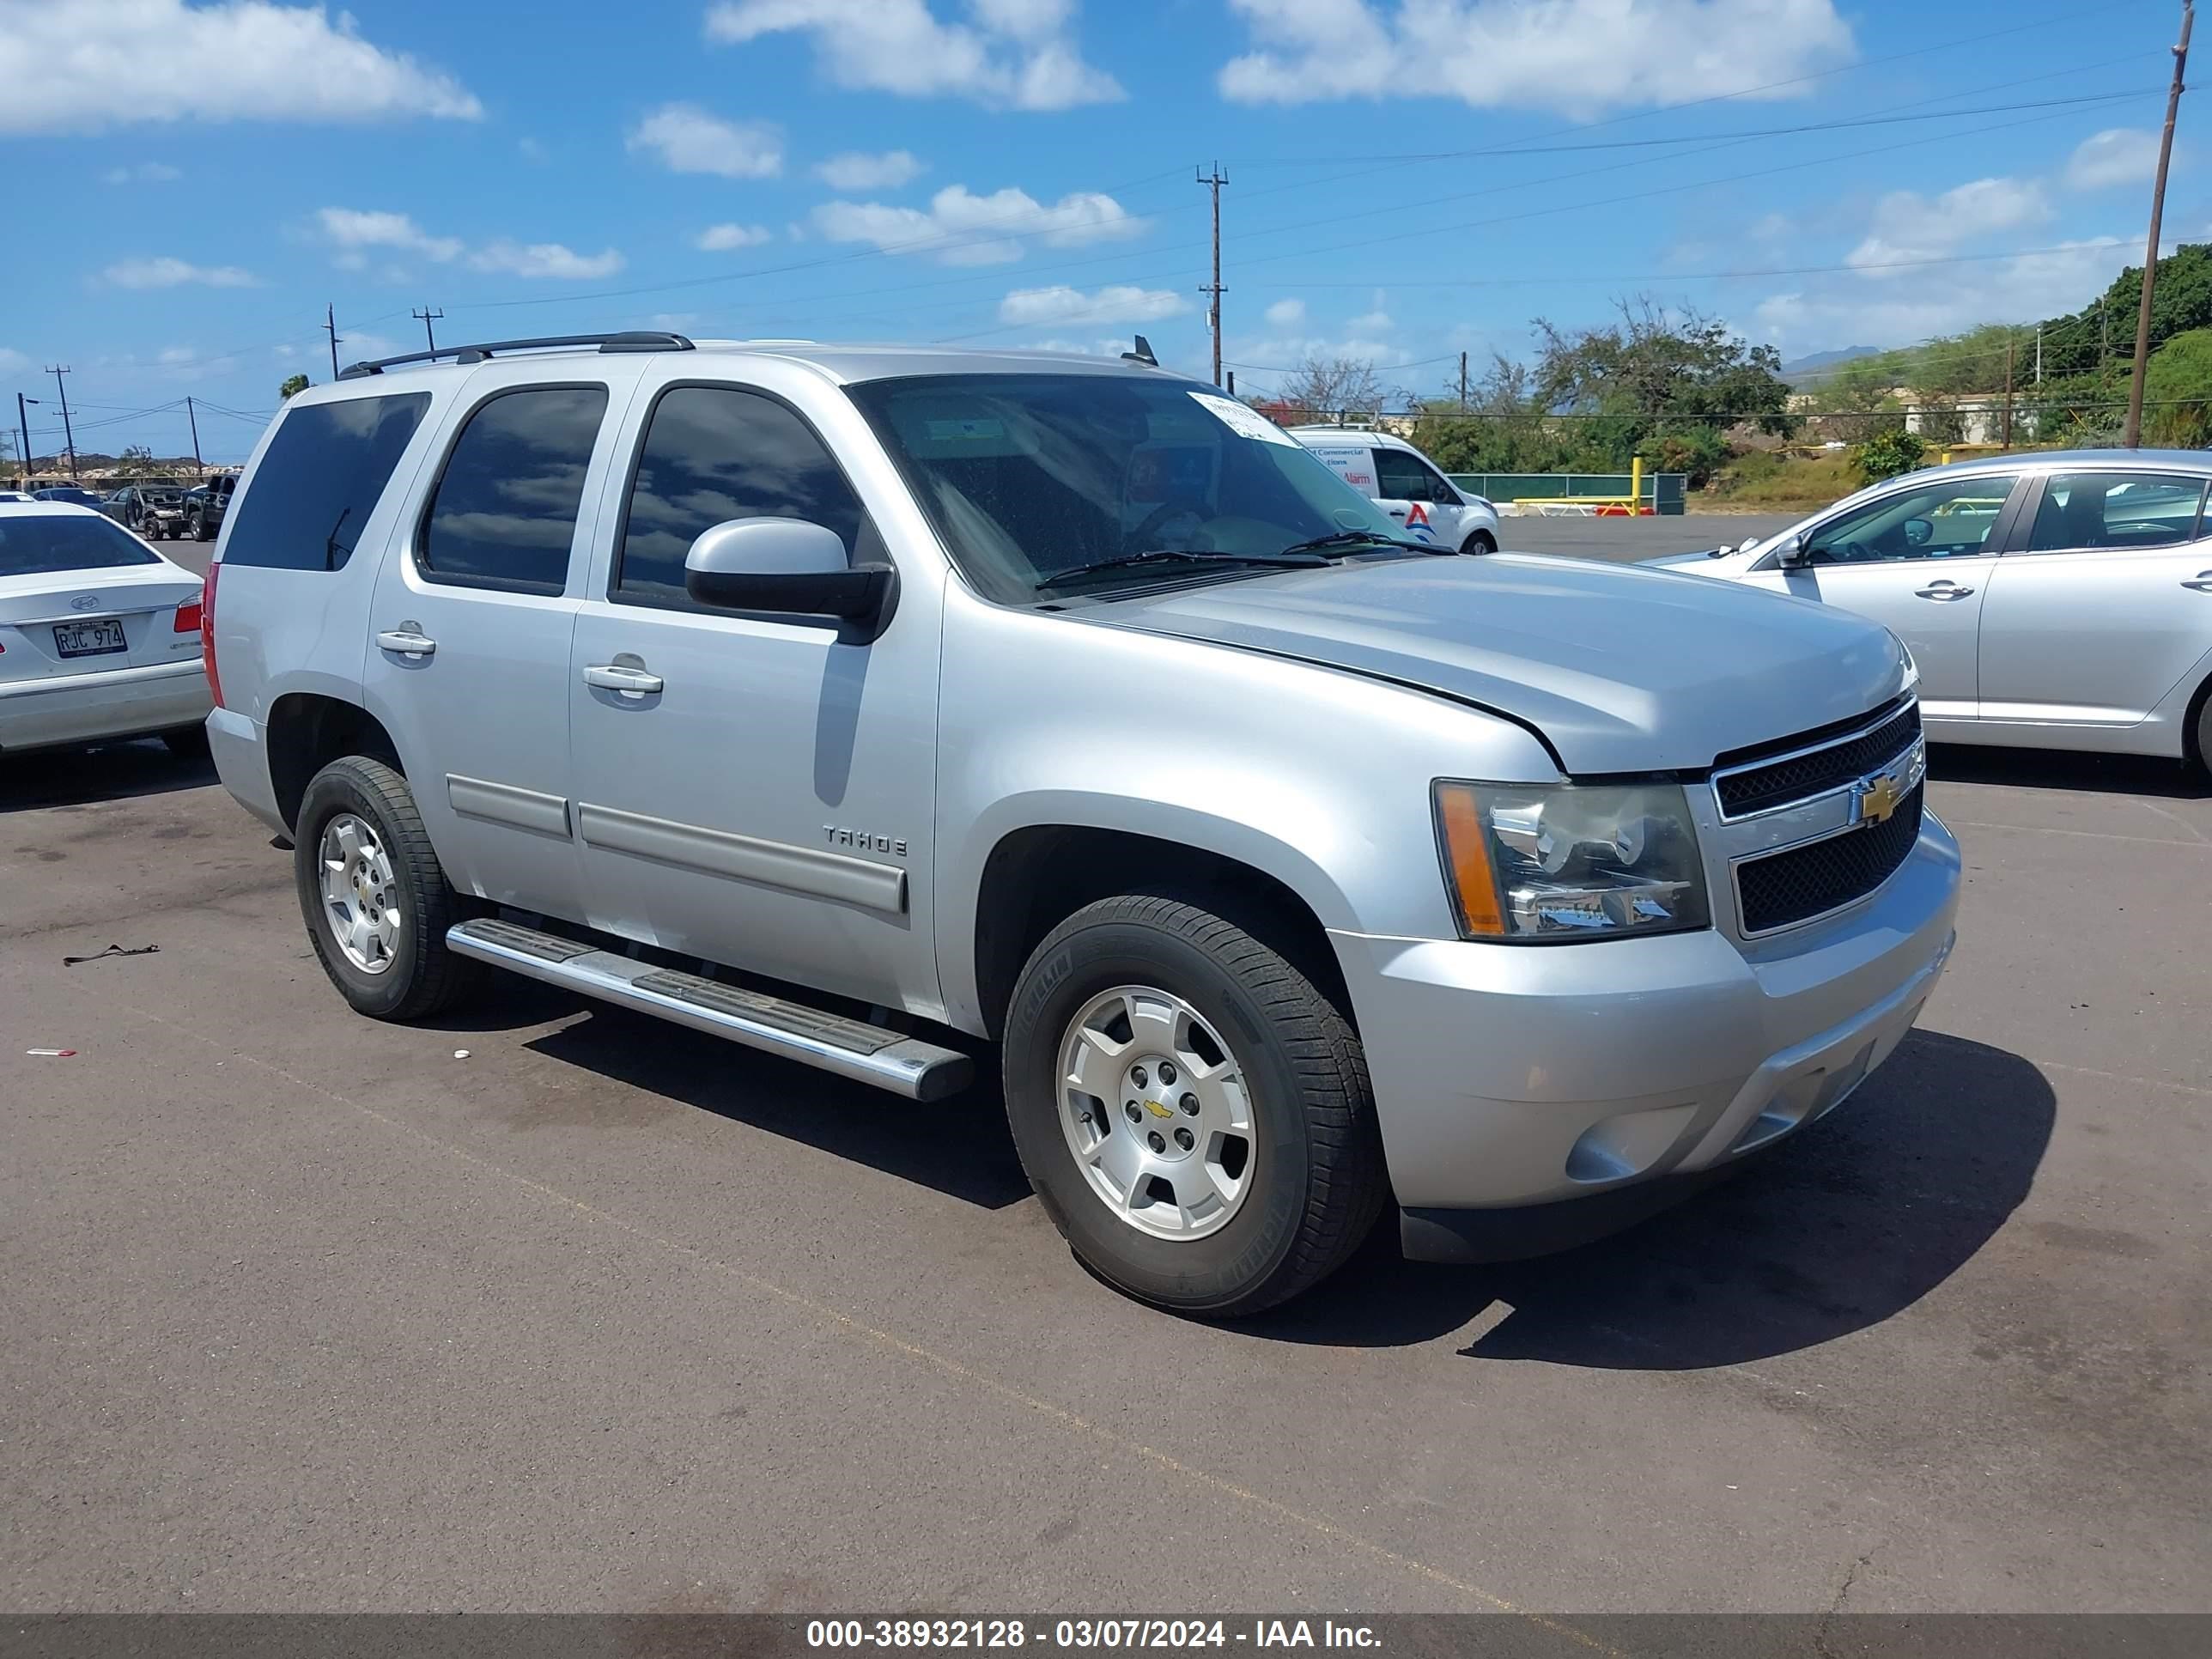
(888, 708)
(2059, 601)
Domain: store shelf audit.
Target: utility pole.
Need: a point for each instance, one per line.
(197, 462)
(2006, 438)
(426, 316)
(1213, 291)
(23, 421)
(2131, 434)
(2038, 354)
(68, 437)
(330, 327)
(1462, 383)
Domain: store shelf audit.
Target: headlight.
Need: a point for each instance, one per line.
(1560, 862)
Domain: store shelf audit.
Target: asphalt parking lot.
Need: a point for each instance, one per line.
(305, 1312)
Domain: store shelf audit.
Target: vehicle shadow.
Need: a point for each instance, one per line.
(116, 771)
(2039, 769)
(1841, 1227)
(849, 1120)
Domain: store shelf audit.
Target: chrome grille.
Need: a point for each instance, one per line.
(1763, 786)
(1800, 883)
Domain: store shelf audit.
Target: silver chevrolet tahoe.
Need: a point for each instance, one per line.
(880, 708)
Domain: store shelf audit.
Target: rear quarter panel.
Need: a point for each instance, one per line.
(280, 631)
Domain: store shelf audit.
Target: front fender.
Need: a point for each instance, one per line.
(1316, 777)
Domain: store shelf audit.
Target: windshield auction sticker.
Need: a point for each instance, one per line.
(1243, 421)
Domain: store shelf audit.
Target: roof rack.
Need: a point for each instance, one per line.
(634, 340)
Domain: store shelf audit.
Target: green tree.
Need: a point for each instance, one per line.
(292, 383)
(135, 462)
(2177, 391)
(1887, 454)
(1660, 383)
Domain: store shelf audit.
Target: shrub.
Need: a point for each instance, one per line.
(1887, 454)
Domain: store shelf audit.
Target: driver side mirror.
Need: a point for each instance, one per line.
(1797, 552)
(788, 568)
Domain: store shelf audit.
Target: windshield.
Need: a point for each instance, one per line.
(35, 544)
(1025, 477)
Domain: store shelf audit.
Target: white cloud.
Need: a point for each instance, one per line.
(1286, 313)
(145, 172)
(352, 229)
(81, 65)
(1020, 54)
(1372, 323)
(2118, 155)
(549, 259)
(1123, 303)
(1907, 225)
(720, 239)
(1112, 348)
(961, 228)
(1576, 56)
(530, 149)
(166, 271)
(688, 139)
(855, 171)
(1856, 310)
(355, 347)
(12, 360)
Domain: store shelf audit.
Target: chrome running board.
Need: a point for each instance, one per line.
(830, 1042)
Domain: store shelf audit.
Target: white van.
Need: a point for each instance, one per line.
(1407, 484)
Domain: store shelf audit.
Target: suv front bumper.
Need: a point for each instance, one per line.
(1531, 1097)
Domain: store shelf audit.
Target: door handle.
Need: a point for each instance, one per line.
(2203, 582)
(1942, 591)
(618, 676)
(407, 640)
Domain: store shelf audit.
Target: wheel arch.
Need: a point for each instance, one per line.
(1039, 873)
(306, 730)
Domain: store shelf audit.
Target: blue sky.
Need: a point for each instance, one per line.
(207, 176)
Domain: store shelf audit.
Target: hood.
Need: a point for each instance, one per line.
(1622, 669)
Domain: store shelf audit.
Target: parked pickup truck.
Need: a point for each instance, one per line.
(895, 710)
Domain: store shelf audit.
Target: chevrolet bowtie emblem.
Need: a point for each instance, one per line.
(1879, 796)
(1160, 1108)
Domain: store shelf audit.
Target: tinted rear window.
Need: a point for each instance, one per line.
(319, 480)
(33, 544)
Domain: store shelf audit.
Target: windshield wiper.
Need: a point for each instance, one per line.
(1288, 557)
(1349, 539)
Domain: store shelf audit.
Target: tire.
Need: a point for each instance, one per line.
(201, 531)
(187, 742)
(1481, 542)
(417, 975)
(1311, 1182)
(2205, 732)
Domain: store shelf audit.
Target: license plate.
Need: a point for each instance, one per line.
(90, 639)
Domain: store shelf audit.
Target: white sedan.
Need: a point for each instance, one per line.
(100, 635)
